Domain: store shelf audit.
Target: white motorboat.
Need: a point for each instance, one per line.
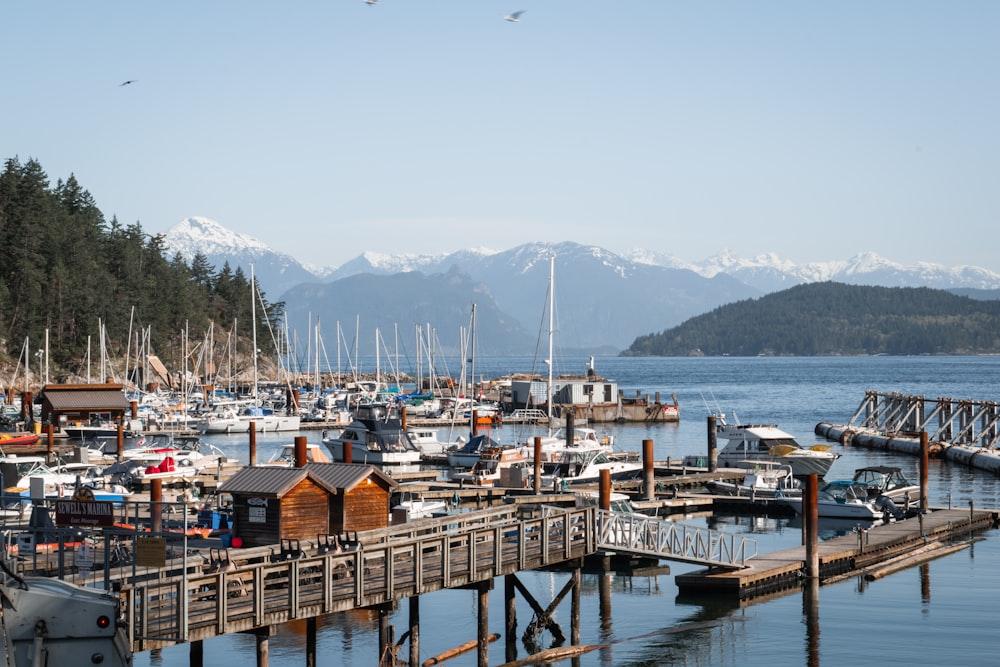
(583, 465)
(375, 437)
(491, 466)
(429, 442)
(844, 499)
(414, 506)
(285, 457)
(763, 479)
(583, 438)
(887, 481)
(749, 444)
(264, 420)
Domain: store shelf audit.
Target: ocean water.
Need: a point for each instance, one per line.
(940, 613)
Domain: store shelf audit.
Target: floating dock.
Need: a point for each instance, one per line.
(841, 556)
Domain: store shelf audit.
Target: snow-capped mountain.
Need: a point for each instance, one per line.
(276, 271)
(768, 272)
(603, 299)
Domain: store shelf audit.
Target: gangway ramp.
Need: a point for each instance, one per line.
(641, 535)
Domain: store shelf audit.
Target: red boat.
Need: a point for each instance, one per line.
(21, 439)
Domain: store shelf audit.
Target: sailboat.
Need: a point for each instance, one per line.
(227, 419)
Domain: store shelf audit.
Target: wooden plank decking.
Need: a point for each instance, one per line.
(781, 570)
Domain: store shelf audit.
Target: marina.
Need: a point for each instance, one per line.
(282, 647)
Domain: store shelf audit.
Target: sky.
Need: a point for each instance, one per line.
(326, 129)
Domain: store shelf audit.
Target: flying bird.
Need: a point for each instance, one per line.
(125, 83)
(514, 17)
(371, 2)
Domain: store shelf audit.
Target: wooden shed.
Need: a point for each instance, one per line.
(275, 503)
(83, 403)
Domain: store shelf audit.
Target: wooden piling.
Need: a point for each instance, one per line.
(509, 618)
(300, 451)
(197, 656)
(604, 490)
(483, 632)
(155, 505)
(347, 452)
(50, 441)
(648, 478)
(574, 624)
(924, 466)
(415, 630)
(810, 523)
(311, 641)
(263, 649)
(121, 440)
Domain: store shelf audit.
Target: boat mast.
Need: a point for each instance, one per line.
(253, 316)
(548, 362)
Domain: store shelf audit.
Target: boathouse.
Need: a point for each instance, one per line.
(83, 403)
(272, 503)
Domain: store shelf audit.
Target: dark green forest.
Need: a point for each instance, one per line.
(64, 268)
(835, 319)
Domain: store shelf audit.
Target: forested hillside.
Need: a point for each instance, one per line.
(63, 268)
(833, 318)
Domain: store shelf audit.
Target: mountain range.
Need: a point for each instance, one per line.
(603, 300)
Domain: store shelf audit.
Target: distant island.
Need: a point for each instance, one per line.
(822, 319)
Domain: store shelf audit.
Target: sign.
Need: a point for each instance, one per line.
(151, 551)
(84, 557)
(257, 510)
(85, 512)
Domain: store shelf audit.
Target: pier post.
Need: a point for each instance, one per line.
(384, 637)
(415, 630)
(810, 526)
(713, 458)
(509, 619)
(483, 633)
(537, 464)
(924, 465)
(574, 624)
(311, 641)
(347, 453)
(301, 458)
(648, 483)
(50, 439)
(604, 490)
(197, 656)
(810, 608)
(155, 505)
(253, 442)
(120, 439)
(262, 635)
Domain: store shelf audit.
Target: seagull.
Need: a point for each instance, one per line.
(514, 17)
(371, 2)
(125, 83)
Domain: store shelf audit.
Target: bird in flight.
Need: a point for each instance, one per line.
(371, 2)
(125, 83)
(514, 17)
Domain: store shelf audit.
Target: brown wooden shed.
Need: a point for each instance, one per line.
(80, 403)
(275, 503)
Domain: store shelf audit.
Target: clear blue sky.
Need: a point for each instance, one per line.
(814, 130)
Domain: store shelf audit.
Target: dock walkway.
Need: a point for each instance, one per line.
(839, 556)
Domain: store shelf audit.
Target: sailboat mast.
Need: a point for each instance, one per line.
(548, 389)
(253, 316)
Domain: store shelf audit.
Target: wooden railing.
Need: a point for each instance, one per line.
(250, 589)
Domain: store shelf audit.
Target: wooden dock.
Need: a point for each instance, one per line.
(840, 556)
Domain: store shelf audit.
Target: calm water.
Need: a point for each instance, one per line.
(941, 613)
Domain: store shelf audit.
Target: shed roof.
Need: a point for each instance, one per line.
(345, 476)
(85, 397)
(277, 481)
(274, 481)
